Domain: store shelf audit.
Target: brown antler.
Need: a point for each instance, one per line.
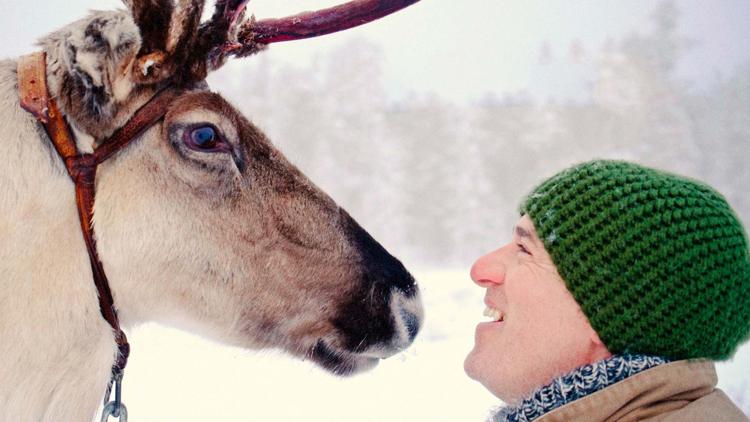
(219, 36)
(252, 35)
(321, 22)
(196, 50)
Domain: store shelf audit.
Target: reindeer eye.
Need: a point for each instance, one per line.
(204, 137)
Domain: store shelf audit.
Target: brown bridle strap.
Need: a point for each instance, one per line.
(34, 97)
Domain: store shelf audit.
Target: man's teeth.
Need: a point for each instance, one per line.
(494, 314)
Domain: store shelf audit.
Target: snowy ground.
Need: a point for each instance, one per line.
(174, 376)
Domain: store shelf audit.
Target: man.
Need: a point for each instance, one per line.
(620, 287)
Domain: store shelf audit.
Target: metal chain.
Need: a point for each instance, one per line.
(115, 408)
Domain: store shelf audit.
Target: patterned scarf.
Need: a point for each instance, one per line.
(574, 385)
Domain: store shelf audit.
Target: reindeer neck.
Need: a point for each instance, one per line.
(59, 350)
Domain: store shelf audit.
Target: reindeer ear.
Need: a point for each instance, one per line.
(153, 18)
(97, 54)
(168, 32)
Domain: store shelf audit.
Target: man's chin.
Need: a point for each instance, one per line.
(472, 365)
(482, 372)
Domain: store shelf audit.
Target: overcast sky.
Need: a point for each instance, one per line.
(460, 49)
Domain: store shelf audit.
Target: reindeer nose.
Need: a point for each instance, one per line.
(407, 320)
(380, 265)
(412, 323)
(412, 315)
(386, 275)
(406, 304)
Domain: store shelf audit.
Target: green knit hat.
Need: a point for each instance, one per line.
(660, 264)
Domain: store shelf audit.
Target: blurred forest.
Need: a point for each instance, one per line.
(438, 183)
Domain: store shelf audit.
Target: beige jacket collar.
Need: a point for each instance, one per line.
(661, 393)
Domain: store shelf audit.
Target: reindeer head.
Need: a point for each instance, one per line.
(202, 223)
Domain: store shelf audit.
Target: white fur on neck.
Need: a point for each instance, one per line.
(56, 350)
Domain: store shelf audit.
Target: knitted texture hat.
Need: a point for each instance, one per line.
(660, 264)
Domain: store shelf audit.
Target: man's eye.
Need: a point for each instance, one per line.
(523, 249)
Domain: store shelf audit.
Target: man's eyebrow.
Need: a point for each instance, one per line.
(523, 233)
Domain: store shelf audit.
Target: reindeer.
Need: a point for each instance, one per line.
(199, 221)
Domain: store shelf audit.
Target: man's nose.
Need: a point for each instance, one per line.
(489, 270)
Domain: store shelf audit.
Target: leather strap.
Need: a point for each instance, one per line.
(34, 97)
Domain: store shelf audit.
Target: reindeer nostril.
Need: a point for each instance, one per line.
(412, 324)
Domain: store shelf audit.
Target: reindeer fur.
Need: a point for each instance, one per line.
(49, 309)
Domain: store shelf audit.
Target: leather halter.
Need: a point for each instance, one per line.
(34, 97)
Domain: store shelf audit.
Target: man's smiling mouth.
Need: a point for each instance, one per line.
(495, 314)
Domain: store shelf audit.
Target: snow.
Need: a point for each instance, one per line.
(173, 375)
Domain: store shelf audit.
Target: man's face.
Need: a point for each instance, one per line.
(536, 330)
